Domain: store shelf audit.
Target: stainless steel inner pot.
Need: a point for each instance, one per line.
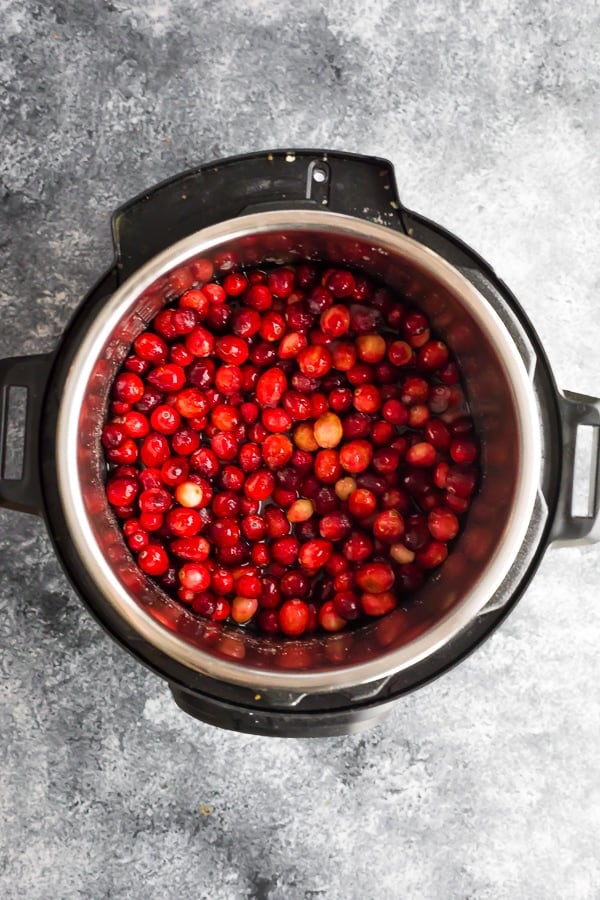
(503, 403)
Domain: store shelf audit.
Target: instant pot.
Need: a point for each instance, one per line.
(272, 208)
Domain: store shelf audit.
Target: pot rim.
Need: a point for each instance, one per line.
(72, 501)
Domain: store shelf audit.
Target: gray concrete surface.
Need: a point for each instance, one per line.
(483, 786)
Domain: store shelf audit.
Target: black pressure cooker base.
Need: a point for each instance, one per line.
(359, 186)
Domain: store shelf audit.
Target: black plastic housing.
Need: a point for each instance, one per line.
(363, 187)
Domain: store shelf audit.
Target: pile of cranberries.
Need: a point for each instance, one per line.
(289, 448)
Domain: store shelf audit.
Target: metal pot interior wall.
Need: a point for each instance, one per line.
(413, 630)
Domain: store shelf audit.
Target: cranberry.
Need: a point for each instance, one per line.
(135, 424)
(150, 347)
(128, 388)
(388, 526)
(437, 434)
(285, 550)
(335, 527)
(450, 374)
(276, 420)
(416, 532)
(378, 604)
(315, 361)
(375, 577)
(165, 419)
(259, 485)
(329, 619)
(297, 405)
(457, 504)
(194, 577)
(184, 522)
(360, 373)
(277, 523)
(153, 560)
(155, 449)
(270, 387)
(371, 348)
(432, 555)
(335, 321)
(416, 329)
(217, 317)
(464, 450)
(325, 500)
(224, 445)
(299, 417)
(226, 505)
(195, 549)
(189, 494)
(315, 553)
(235, 284)
(433, 355)
(421, 454)
(300, 510)
(258, 297)
(346, 604)
(232, 349)
(228, 380)
(400, 353)
(293, 617)
(291, 344)
(295, 584)
(153, 500)
(121, 491)
(386, 460)
(355, 456)
(461, 480)
(443, 524)
(243, 608)
(327, 466)
(113, 436)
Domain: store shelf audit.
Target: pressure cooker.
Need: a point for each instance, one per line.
(274, 208)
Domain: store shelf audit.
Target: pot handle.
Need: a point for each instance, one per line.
(348, 183)
(567, 529)
(23, 493)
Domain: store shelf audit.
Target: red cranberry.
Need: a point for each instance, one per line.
(433, 355)
(355, 456)
(371, 348)
(150, 347)
(153, 560)
(346, 604)
(285, 550)
(295, 584)
(312, 426)
(329, 619)
(113, 436)
(461, 480)
(314, 362)
(293, 617)
(443, 524)
(358, 547)
(432, 555)
(464, 450)
(135, 424)
(184, 522)
(128, 388)
(378, 604)
(422, 455)
(388, 526)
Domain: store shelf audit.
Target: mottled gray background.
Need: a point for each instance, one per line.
(487, 783)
